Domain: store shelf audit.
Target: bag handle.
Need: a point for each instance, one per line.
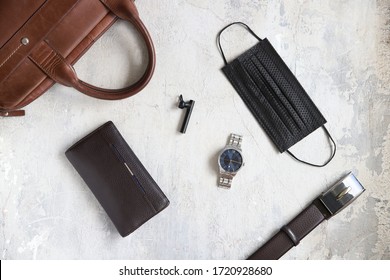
(226, 27)
(126, 10)
(58, 69)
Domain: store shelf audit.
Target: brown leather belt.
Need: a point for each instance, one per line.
(328, 204)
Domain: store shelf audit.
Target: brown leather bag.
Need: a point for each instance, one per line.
(40, 40)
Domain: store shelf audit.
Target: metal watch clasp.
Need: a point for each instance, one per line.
(341, 194)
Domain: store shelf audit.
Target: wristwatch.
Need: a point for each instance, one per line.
(328, 204)
(230, 161)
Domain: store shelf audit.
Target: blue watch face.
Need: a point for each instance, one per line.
(230, 160)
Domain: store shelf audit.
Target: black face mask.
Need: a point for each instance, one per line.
(273, 95)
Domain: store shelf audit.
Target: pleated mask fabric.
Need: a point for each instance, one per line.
(273, 95)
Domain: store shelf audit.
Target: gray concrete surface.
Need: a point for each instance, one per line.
(339, 50)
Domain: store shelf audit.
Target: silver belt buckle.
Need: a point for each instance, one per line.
(343, 193)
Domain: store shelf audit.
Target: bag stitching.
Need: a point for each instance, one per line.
(11, 55)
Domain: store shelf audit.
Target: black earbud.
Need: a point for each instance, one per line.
(189, 105)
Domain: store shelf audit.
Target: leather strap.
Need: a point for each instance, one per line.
(292, 233)
(15, 113)
(328, 204)
(57, 68)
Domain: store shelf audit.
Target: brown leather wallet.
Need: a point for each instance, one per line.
(117, 178)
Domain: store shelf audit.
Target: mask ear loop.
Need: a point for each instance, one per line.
(227, 26)
(318, 165)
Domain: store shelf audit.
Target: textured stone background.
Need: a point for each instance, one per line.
(339, 50)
